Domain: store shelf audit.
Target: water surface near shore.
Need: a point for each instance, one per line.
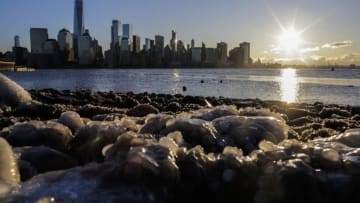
(341, 86)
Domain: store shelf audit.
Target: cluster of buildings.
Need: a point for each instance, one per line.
(80, 49)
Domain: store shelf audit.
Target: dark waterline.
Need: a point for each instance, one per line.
(302, 85)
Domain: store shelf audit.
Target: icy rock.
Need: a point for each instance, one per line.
(142, 110)
(213, 113)
(89, 141)
(9, 171)
(11, 93)
(155, 123)
(45, 159)
(247, 132)
(350, 138)
(36, 133)
(72, 120)
(194, 132)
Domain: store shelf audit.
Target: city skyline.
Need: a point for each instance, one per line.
(317, 41)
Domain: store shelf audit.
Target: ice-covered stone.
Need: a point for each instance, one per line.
(11, 93)
(247, 132)
(72, 120)
(36, 133)
(213, 113)
(194, 132)
(350, 138)
(9, 171)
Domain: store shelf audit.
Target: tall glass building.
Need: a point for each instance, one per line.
(78, 18)
(127, 32)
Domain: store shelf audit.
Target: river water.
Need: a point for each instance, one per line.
(341, 86)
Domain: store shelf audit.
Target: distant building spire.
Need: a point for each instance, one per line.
(78, 18)
(16, 41)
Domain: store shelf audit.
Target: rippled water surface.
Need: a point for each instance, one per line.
(341, 86)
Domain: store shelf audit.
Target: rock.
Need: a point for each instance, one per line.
(9, 171)
(194, 100)
(142, 110)
(45, 159)
(301, 121)
(294, 113)
(173, 107)
(36, 133)
(36, 109)
(247, 132)
(72, 120)
(356, 117)
(89, 140)
(213, 113)
(155, 123)
(11, 93)
(128, 102)
(89, 110)
(336, 124)
(350, 138)
(328, 112)
(195, 132)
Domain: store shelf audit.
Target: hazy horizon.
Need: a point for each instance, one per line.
(331, 28)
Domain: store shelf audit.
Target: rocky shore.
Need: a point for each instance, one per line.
(83, 146)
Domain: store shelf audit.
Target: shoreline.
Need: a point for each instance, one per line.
(101, 145)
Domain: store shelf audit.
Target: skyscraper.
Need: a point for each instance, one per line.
(136, 44)
(173, 41)
(115, 31)
(16, 41)
(245, 47)
(38, 36)
(128, 32)
(222, 49)
(78, 18)
(65, 40)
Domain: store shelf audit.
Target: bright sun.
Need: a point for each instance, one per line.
(290, 40)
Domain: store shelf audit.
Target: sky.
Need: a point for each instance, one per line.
(296, 31)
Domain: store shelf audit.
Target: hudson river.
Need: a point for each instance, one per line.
(341, 86)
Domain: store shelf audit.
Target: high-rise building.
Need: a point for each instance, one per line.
(245, 47)
(147, 44)
(159, 44)
(192, 43)
(222, 49)
(78, 18)
(173, 41)
(16, 41)
(152, 44)
(38, 36)
(125, 44)
(136, 44)
(85, 48)
(115, 32)
(50, 46)
(128, 32)
(65, 40)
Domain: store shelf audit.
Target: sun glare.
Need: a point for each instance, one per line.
(290, 40)
(289, 85)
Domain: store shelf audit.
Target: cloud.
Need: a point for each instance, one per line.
(335, 45)
(310, 49)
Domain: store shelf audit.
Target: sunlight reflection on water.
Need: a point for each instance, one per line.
(289, 85)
